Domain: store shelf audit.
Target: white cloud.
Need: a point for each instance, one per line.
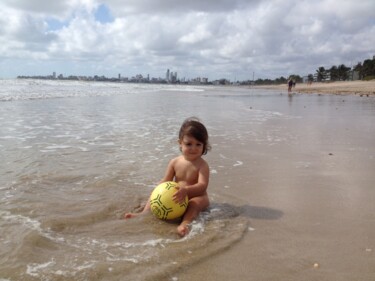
(196, 38)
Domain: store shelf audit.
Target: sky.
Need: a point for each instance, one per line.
(215, 39)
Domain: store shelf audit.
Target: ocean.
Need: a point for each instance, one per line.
(76, 156)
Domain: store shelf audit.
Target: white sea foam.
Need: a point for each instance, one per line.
(185, 89)
(19, 89)
(34, 268)
(29, 223)
(23, 220)
(58, 147)
(87, 264)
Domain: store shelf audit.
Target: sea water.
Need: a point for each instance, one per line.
(76, 156)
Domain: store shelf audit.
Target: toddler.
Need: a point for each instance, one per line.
(190, 171)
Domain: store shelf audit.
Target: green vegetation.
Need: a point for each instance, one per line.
(364, 71)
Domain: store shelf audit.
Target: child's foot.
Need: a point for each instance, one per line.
(130, 215)
(183, 229)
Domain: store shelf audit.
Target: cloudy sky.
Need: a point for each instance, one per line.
(231, 39)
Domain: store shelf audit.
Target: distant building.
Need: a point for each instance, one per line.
(171, 77)
(353, 75)
(167, 75)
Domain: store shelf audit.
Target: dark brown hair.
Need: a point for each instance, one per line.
(192, 127)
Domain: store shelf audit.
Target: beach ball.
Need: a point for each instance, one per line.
(162, 204)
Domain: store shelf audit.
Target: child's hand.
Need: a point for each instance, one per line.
(180, 194)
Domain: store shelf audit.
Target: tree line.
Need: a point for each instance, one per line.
(365, 71)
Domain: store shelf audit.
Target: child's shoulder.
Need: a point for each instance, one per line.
(176, 159)
(203, 163)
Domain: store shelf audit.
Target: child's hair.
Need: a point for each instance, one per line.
(194, 128)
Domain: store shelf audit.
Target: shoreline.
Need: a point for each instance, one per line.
(362, 88)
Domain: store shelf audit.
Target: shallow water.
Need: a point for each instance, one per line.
(76, 156)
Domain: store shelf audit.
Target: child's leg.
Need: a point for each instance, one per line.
(145, 210)
(196, 205)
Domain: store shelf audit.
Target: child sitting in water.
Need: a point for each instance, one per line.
(190, 171)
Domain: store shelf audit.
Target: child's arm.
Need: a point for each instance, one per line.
(169, 173)
(200, 187)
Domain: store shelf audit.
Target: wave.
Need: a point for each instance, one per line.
(20, 89)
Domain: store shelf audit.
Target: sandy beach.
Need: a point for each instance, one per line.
(362, 88)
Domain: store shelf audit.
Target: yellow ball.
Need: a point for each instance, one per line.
(162, 204)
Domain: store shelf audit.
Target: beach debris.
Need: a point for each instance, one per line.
(368, 250)
(330, 154)
(238, 163)
(316, 265)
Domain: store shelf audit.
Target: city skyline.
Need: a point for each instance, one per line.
(170, 78)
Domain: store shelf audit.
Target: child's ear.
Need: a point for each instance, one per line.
(180, 144)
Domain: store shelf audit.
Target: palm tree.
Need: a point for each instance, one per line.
(343, 72)
(321, 73)
(334, 73)
(368, 68)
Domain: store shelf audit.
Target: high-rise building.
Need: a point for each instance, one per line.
(173, 77)
(167, 76)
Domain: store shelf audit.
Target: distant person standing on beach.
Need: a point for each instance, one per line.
(290, 85)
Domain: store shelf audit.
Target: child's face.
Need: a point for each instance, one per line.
(191, 148)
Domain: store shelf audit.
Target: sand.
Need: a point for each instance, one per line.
(309, 197)
(362, 88)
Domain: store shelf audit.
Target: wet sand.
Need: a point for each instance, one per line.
(362, 88)
(309, 201)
